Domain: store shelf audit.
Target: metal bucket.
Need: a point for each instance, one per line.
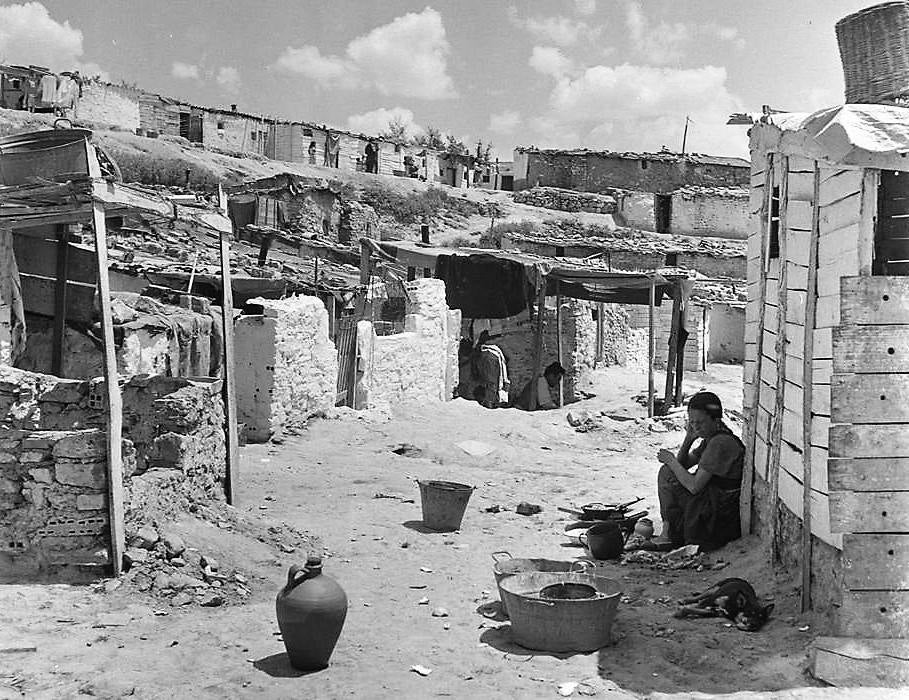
(560, 625)
(43, 155)
(444, 503)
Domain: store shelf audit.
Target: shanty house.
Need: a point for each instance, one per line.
(595, 171)
(827, 362)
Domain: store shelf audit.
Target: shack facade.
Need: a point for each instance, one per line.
(826, 372)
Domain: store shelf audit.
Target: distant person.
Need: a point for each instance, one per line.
(487, 364)
(312, 152)
(701, 508)
(547, 390)
(372, 158)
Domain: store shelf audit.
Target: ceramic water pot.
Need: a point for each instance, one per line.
(311, 610)
(644, 528)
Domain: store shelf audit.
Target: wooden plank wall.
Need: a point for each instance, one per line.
(838, 216)
(868, 469)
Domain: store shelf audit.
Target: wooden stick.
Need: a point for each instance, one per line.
(114, 400)
(364, 263)
(59, 337)
(776, 432)
(651, 350)
(559, 338)
(807, 393)
(229, 391)
(538, 342)
(752, 408)
(601, 310)
(673, 345)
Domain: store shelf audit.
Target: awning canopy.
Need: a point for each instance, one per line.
(497, 284)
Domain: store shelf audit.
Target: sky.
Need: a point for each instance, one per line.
(600, 74)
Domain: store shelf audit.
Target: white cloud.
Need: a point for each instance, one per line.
(664, 42)
(406, 57)
(505, 122)
(642, 108)
(559, 30)
(29, 35)
(185, 71)
(550, 61)
(585, 7)
(377, 120)
(228, 79)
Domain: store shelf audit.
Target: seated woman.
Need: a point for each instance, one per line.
(701, 508)
(547, 390)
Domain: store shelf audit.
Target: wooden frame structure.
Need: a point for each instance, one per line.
(565, 278)
(87, 197)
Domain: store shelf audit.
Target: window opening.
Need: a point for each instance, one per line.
(644, 165)
(307, 132)
(672, 259)
(891, 230)
(774, 248)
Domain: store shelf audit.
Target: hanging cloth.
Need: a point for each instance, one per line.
(483, 286)
(48, 90)
(12, 312)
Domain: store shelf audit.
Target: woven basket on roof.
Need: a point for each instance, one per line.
(874, 47)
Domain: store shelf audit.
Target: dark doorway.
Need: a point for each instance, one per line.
(508, 183)
(891, 235)
(195, 128)
(184, 124)
(662, 212)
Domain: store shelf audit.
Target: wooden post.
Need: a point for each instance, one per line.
(315, 272)
(651, 349)
(232, 480)
(114, 400)
(807, 393)
(673, 345)
(538, 342)
(59, 337)
(754, 399)
(776, 432)
(559, 339)
(680, 352)
(364, 263)
(601, 310)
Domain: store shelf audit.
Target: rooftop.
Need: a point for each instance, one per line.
(696, 158)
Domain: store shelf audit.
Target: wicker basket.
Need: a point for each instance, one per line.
(874, 47)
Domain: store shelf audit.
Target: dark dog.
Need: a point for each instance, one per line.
(733, 598)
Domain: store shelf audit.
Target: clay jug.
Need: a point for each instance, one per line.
(644, 528)
(311, 610)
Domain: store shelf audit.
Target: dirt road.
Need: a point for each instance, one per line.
(88, 642)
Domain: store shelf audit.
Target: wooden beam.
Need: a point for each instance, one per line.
(559, 348)
(680, 342)
(114, 400)
(808, 396)
(876, 562)
(869, 512)
(232, 474)
(875, 300)
(59, 331)
(671, 359)
(601, 310)
(890, 440)
(538, 341)
(874, 614)
(776, 430)
(870, 181)
(651, 348)
(870, 398)
(871, 474)
(752, 408)
(364, 263)
(871, 349)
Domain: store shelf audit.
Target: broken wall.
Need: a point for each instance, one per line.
(418, 364)
(636, 210)
(109, 105)
(566, 200)
(287, 366)
(53, 468)
(695, 347)
(727, 333)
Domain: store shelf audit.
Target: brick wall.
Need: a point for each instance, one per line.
(416, 364)
(705, 214)
(695, 347)
(287, 366)
(109, 105)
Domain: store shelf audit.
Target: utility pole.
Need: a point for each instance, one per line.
(685, 134)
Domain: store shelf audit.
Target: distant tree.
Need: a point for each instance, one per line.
(431, 138)
(395, 131)
(455, 145)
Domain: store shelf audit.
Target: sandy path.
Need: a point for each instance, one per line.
(324, 482)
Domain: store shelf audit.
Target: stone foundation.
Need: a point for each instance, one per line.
(566, 200)
(287, 366)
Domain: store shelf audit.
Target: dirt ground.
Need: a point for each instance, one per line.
(92, 642)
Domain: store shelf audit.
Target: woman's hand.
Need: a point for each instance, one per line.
(666, 457)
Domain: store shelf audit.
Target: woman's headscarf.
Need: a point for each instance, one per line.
(707, 402)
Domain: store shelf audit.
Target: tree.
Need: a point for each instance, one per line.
(431, 138)
(455, 145)
(395, 131)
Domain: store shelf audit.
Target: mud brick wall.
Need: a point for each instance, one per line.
(417, 364)
(695, 347)
(110, 105)
(287, 366)
(357, 220)
(53, 499)
(516, 340)
(711, 213)
(566, 200)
